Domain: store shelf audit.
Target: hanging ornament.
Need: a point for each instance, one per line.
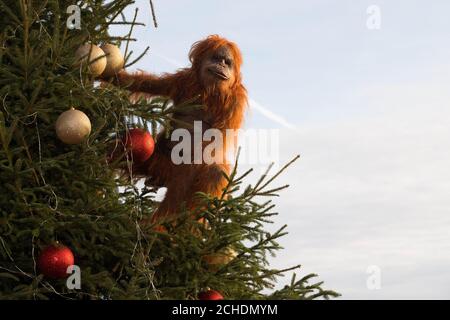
(139, 143)
(73, 126)
(114, 60)
(93, 56)
(54, 260)
(220, 258)
(210, 295)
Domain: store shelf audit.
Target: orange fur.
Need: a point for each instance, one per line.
(224, 104)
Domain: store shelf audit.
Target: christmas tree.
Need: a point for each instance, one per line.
(66, 199)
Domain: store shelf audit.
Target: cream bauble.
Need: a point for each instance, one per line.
(73, 126)
(95, 68)
(114, 60)
(220, 258)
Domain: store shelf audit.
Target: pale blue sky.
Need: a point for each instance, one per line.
(373, 119)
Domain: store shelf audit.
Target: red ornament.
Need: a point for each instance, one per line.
(210, 295)
(54, 261)
(140, 143)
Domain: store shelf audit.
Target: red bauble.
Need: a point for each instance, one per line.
(210, 295)
(54, 261)
(140, 143)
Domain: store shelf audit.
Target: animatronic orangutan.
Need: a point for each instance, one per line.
(216, 79)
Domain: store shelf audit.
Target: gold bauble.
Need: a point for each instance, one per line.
(114, 58)
(95, 68)
(73, 126)
(220, 258)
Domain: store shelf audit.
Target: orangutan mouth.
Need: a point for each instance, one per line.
(218, 73)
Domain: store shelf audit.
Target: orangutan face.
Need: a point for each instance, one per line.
(218, 67)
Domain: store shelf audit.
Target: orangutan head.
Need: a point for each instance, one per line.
(217, 62)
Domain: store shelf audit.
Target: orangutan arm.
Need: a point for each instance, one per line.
(146, 83)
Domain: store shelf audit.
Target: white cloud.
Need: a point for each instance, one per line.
(373, 190)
